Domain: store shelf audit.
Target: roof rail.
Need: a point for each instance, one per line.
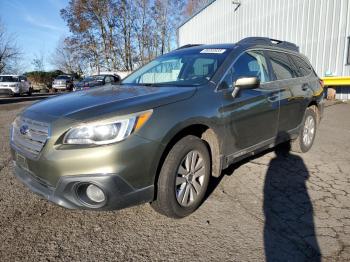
(269, 42)
(187, 46)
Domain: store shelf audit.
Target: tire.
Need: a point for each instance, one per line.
(302, 144)
(180, 200)
(29, 93)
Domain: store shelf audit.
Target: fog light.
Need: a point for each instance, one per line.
(95, 194)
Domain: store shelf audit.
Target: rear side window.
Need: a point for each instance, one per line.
(282, 66)
(303, 67)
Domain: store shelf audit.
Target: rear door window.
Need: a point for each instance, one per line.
(303, 67)
(282, 65)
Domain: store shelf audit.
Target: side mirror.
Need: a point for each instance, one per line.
(245, 83)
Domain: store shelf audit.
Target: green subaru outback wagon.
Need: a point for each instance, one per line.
(167, 128)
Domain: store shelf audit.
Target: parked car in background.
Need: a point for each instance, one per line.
(14, 85)
(120, 74)
(95, 80)
(63, 83)
(168, 127)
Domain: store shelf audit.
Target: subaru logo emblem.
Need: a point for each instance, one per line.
(24, 130)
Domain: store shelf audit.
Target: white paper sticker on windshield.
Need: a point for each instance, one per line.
(213, 51)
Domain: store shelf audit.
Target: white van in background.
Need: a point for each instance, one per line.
(14, 85)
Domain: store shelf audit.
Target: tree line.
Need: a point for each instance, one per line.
(109, 35)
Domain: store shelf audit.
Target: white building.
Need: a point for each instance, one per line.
(321, 28)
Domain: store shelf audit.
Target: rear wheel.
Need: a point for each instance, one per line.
(307, 132)
(183, 179)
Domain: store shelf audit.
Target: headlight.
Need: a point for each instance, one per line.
(13, 85)
(106, 133)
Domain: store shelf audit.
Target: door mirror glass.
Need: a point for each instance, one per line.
(247, 83)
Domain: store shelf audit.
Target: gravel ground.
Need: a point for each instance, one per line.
(287, 207)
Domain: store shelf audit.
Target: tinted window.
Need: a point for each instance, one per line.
(63, 77)
(227, 81)
(251, 63)
(282, 66)
(107, 79)
(8, 79)
(303, 67)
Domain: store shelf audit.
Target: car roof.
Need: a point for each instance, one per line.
(206, 46)
(248, 42)
(12, 75)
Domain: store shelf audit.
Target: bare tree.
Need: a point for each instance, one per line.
(9, 51)
(68, 58)
(38, 62)
(194, 6)
(122, 34)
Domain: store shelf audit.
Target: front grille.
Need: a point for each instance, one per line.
(5, 91)
(29, 136)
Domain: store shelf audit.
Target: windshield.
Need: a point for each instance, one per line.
(182, 68)
(8, 79)
(62, 77)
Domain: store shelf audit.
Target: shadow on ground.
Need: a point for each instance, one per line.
(289, 230)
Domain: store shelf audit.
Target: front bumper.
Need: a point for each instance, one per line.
(125, 170)
(119, 194)
(60, 86)
(8, 91)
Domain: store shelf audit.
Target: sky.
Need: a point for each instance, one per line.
(37, 26)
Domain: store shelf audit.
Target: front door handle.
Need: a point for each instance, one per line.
(305, 87)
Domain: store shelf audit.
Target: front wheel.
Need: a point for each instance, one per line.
(183, 178)
(307, 132)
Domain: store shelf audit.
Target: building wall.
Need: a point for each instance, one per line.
(319, 27)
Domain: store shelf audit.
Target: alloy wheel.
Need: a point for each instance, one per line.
(190, 178)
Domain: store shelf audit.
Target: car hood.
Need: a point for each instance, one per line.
(110, 100)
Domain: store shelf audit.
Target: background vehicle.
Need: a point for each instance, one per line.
(168, 127)
(96, 80)
(62, 82)
(14, 85)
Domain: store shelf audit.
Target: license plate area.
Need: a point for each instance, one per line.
(21, 161)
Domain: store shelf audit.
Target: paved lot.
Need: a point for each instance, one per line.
(18, 99)
(286, 207)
